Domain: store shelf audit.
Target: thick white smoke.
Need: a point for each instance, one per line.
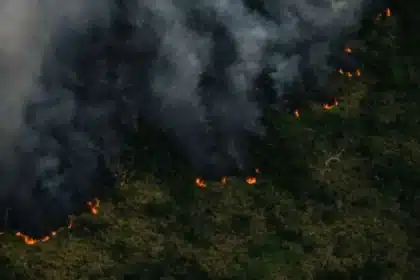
(68, 68)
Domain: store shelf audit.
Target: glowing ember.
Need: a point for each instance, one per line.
(31, 241)
(45, 239)
(330, 106)
(347, 50)
(349, 74)
(93, 206)
(200, 182)
(387, 13)
(251, 180)
(28, 240)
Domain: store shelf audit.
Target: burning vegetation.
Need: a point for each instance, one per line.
(383, 14)
(250, 180)
(94, 204)
(357, 73)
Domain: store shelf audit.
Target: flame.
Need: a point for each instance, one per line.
(223, 180)
(251, 180)
(297, 114)
(27, 239)
(387, 13)
(32, 241)
(327, 106)
(347, 50)
(93, 206)
(45, 239)
(200, 182)
(349, 74)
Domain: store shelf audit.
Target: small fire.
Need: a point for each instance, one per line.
(200, 182)
(32, 241)
(224, 180)
(327, 106)
(387, 13)
(349, 74)
(93, 206)
(28, 240)
(45, 239)
(251, 180)
(347, 50)
(296, 113)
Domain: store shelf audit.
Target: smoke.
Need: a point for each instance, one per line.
(211, 52)
(74, 72)
(47, 158)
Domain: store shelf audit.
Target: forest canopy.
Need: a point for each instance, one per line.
(334, 192)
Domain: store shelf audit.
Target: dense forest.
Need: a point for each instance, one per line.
(335, 193)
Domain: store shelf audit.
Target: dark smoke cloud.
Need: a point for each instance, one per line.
(72, 70)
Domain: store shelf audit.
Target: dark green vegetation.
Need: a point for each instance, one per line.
(339, 196)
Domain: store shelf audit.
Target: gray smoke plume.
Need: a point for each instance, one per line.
(71, 69)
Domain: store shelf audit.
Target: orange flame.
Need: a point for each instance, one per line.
(200, 182)
(297, 114)
(28, 240)
(93, 206)
(32, 241)
(251, 180)
(349, 74)
(347, 50)
(45, 239)
(387, 13)
(224, 180)
(327, 106)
